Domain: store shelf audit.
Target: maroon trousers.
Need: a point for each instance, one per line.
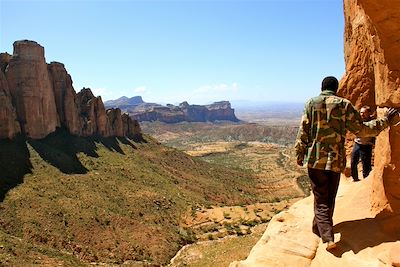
(324, 185)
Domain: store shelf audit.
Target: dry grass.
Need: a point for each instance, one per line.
(72, 201)
(109, 201)
(278, 179)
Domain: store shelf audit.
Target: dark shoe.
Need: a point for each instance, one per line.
(330, 245)
(356, 180)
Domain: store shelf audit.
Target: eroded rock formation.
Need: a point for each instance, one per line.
(373, 77)
(93, 113)
(36, 98)
(115, 123)
(31, 90)
(65, 98)
(141, 111)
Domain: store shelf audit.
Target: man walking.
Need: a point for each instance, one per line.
(362, 149)
(320, 145)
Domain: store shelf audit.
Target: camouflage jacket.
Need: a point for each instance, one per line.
(321, 136)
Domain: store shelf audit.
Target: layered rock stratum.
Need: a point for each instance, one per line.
(36, 98)
(142, 111)
(367, 214)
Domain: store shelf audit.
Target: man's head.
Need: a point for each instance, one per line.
(330, 83)
(365, 112)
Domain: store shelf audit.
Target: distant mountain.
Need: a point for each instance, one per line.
(124, 101)
(142, 111)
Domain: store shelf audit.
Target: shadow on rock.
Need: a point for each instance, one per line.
(14, 164)
(360, 234)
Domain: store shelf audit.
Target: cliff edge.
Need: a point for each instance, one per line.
(367, 214)
(288, 240)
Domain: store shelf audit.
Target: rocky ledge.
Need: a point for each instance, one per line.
(361, 240)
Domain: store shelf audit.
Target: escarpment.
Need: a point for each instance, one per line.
(142, 111)
(373, 78)
(36, 98)
(367, 213)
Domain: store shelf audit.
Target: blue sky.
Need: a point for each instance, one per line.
(198, 51)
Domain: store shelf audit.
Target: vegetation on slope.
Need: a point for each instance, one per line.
(180, 134)
(73, 200)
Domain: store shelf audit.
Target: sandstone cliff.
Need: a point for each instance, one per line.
(373, 77)
(288, 240)
(9, 126)
(31, 90)
(36, 98)
(367, 213)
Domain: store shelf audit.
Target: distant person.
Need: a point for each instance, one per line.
(362, 149)
(320, 145)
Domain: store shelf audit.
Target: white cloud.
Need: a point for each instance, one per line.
(140, 90)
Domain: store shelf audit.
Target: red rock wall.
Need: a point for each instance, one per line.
(9, 126)
(114, 122)
(31, 90)
(36, 98)
(65, 98)
(372, 57)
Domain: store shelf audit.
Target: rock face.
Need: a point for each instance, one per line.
(65, 97)
(288, 240)
(9, 125)
(131, 128)
(93, 114)
(373, 77)
(31, 90)
(367, 214)
(114, 122)
(4, 60)
(36, 98)
(141, 111)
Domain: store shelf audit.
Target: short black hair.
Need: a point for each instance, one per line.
(366, 108)
(330, 83)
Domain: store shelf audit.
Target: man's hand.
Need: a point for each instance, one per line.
(300, 162)
(391, 113)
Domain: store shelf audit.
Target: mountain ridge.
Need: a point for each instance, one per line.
(143, 111)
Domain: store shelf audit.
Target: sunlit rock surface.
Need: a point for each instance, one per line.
(373, 78)
(36, 98)
(367, 214)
